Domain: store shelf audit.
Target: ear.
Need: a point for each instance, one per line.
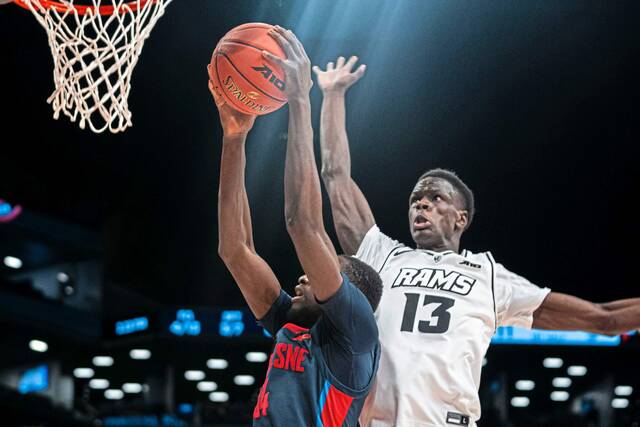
(462, 220)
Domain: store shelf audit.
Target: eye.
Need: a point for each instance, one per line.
(437, 198)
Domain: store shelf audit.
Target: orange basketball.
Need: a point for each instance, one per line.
(249, 82)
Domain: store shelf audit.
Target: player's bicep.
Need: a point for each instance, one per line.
(351, 213)
(256, 280)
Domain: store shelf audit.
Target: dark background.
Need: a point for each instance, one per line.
(533, 104)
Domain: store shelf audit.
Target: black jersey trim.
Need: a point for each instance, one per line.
(493, 293)
(387, 258)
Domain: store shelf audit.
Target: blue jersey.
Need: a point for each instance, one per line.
(320, 376)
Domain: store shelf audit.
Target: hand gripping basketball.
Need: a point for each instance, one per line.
(340, 78)
(233, 121)
(296, 67)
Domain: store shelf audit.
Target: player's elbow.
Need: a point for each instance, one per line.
(228, 251)
(332, 172)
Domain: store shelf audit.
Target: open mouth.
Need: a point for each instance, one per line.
(421, 223)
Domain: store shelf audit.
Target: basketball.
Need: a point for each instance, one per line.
(249, 82)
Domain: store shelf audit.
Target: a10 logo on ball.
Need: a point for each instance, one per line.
(268, 74)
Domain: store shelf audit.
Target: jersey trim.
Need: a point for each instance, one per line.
(295, 328)
(493, 293)
(387, 258)
(333, 406)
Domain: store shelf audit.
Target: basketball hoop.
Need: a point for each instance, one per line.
(95, 49)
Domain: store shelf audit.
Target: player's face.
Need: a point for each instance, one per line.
(433, 213)
(304, 310)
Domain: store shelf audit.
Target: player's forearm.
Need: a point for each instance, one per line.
(624, 315)
(303, 200)
(234, 222)
(334, 144)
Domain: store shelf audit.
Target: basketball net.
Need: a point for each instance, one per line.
(95, 49)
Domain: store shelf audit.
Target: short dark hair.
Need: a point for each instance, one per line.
(364, 277)
(460, 187)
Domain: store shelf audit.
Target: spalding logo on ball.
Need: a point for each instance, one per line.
(249, 82)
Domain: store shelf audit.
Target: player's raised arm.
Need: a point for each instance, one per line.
(352, 215)
(303, 200)
(565, 312)
(254, 277)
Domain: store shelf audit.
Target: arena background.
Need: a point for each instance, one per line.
(534, 104)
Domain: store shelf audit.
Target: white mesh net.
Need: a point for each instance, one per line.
(94, 56)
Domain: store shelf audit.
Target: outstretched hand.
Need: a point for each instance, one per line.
(340, 77)
(233, 121)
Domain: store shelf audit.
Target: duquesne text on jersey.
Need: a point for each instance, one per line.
(434, 278)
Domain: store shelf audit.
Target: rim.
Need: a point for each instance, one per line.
(83, 9)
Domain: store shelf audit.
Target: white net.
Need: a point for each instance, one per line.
(94, 56)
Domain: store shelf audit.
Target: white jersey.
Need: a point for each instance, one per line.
(436, 318)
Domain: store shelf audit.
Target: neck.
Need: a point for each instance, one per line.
(449, 245)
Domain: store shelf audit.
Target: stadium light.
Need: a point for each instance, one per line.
(256, 356)
(619, 403)
(99, 384)
(103, 361)
(559, 396)
(113, 394)
(207, 386)
(519, 402)
(83, 372)
(623, 390)
(577, 371)
(140, 354)
(244, 380)
(39, 346)
(132, 387)
(194, 375)
(218, 396)
(12, 262)
(552, 362)
(525, 385)
(217, 364)
(561, 382)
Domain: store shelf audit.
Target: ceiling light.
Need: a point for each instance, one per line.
(217, 364)
(577, 371)
(39, 346)
(256, 356)
(12, 262)
(98, 384)
(552, 362)
(559, 396)
(519, 402)
(132, 387)
(561, 382)
(619, 403)
(623, 390)
(525, 385)
(113, 394)
(83, 372)
(218, 396)
(207, 386)
(194, 375)
(140, 354)
(244, 380)
(103, 360)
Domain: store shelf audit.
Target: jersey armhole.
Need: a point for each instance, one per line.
(493, 291)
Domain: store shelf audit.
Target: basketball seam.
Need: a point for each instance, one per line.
(244, 77)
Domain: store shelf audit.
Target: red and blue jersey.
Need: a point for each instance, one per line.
(320, 376)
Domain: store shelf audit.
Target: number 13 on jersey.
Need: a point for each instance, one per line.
(437, 309)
